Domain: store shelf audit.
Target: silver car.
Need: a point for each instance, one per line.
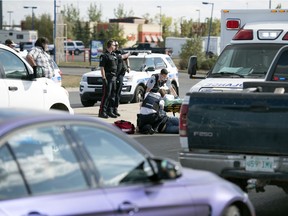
(54, 163)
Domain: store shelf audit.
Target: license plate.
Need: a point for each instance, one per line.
(259, 163)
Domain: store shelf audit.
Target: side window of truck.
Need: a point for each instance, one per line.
(281, 70)
(13, 67)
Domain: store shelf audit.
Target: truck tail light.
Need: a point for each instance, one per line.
(233, 24)
(183, 120)
(244, 34)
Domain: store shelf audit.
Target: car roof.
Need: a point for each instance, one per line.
(15, 118)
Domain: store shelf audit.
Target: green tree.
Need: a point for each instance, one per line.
(71, 17)
(120, 12)
(44, 25)
(192, 47)
(94, 13)
(114, 32)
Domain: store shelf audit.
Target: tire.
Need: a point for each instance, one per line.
(88, 103)
(138, 95)
(76, 52)
(232, 211)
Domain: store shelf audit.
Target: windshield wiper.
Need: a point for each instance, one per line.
(229, 74)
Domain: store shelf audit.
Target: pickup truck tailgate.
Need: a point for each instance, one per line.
(238, 122)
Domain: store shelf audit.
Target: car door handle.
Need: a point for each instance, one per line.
(128, 207)
(35, 213)
(12, 88)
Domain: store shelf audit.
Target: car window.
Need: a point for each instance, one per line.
(13, 66)
(79, 43)
(45, 164)
(159, 63)
(117, 161)
(170, 61)
(281, 71)
(136, 63)
(150, 62)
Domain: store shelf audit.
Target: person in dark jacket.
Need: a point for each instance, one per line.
(108, 66)
(152, 117)
(122, 68)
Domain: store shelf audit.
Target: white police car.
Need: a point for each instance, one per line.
(142, 67)
(20, 86)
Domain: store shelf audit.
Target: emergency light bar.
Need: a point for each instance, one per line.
(269, 34)
(247, 34)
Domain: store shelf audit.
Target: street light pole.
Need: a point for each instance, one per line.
(198, 16)
(10, 12)
(32, 7)
(208, 41)
(160, 18)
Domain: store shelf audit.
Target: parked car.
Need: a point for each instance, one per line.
(75, 47)
(22, 86)
(54, 163)
(142, 66)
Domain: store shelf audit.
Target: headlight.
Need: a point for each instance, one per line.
(127, 78)
(84, 79)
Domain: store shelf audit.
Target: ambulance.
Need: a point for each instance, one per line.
(252, 41)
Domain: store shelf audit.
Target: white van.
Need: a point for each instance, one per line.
(20, 86)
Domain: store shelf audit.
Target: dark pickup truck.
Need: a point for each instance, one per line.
(150, 47)
(242, 135)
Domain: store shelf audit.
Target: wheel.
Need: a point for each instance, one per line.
(88, 103)
(138, 95)
(76, 52)
(232, 211)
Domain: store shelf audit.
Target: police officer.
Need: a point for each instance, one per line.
(158, 80)
(122, 68)
(108, 67)
(152, 118)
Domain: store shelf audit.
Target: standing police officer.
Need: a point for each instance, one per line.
(122, 68)
(108, 67)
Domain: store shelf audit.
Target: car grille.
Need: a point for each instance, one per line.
(94, 80)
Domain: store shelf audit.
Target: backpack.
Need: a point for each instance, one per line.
(125, 126)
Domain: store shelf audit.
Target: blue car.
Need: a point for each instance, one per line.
(53, 163)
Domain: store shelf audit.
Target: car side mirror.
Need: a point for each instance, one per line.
(166, 169)
(150, 68)
(192, 66)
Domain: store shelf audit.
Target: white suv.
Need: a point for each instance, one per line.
(74, 46)
(20, 86)
(142, 67)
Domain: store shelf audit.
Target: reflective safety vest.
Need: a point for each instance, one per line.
(152, 101)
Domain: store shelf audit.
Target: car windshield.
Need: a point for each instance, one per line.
(250, 61)
(137, 63)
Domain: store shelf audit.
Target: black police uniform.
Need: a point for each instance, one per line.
(109, 62)
(121, 70)
(157, 84)
(150, 123)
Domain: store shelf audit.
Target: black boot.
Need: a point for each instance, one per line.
(102, 115)
(111, 114)
(116, 112)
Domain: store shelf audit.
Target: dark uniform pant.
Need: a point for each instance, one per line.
(119, 84)
(108, 97)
